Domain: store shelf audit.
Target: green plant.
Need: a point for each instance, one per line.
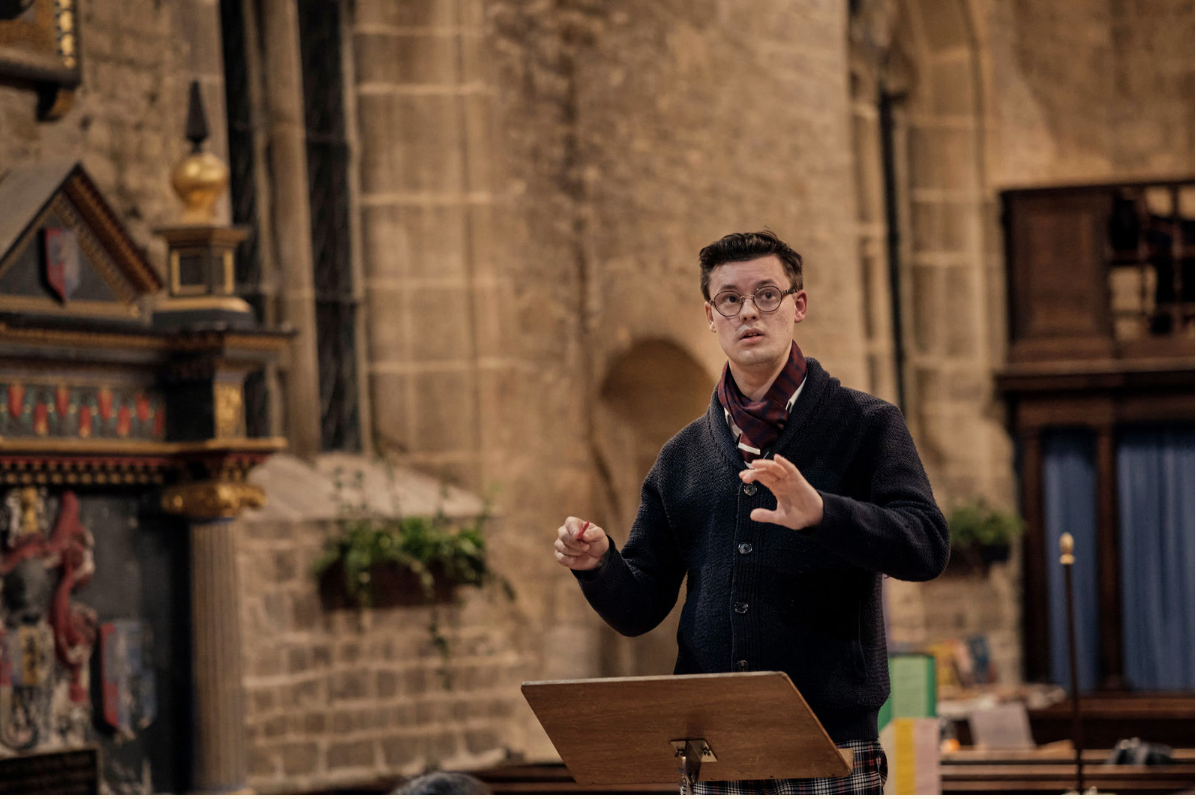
(429, 548)
(976, 524)
(439, 555)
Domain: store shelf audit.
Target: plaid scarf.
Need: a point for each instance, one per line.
(762, 421)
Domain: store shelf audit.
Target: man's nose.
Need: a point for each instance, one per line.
(749, 309)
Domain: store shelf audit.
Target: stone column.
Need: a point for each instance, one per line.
(218, 701)
(291, 220)
(421, 103)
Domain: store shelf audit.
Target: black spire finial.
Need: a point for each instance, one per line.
(197, 120)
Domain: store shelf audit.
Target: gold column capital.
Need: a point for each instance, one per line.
(212, 499)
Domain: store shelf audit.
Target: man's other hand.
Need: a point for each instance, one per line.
(799, 505)
(582, 553)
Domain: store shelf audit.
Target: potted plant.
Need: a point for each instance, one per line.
(981, 535)
(380, 560)
(384, 562)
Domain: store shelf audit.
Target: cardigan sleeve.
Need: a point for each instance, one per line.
(899, 530)
(634, 590)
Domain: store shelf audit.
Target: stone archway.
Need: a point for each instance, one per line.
(928, 231)
(648, 393)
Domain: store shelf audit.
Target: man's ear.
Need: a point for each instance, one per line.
(709, 317)
(800, 301)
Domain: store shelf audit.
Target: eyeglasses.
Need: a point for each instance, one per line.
(766, 299)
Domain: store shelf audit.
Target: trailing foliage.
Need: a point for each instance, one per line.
(429, 548)
(977, 524)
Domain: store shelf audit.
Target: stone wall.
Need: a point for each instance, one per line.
(628, 137)
(536, 184)
(1089, 90)
(127, 122)
(356, 697)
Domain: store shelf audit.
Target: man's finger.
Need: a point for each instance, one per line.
(566, 543)
(788, 466)
(572, 562)
(766, 479)
(765, 515)
(761, 466)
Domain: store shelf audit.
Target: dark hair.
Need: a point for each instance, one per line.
(443, 783)
(748, 247)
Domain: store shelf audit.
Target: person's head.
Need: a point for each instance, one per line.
(442, 783)
(752, 283)
(748, 247)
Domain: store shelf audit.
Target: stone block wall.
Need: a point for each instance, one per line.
(129, 115)
(355, 697)
(364, 697)
(626, 137)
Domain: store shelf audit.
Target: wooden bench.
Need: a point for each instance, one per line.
(984, 772)
(1054, 771)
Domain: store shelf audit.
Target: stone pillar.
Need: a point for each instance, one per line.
(218, 701)
(425, 215)
(291, 220)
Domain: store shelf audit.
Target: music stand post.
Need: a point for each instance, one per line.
(637, 730)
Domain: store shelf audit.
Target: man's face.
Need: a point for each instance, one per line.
(750, 338)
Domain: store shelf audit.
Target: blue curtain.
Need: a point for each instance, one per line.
(1069, 494)
(1156, 498)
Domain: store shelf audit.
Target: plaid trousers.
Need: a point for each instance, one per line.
(870, 769)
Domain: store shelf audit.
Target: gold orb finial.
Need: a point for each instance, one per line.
(1067, 546)
(201, 178)
(199, 181)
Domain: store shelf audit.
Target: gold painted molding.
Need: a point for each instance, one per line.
(95, 446)
(45, 337)
(212, 499)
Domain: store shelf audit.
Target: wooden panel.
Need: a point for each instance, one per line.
(1070, 410)
(619, 729)
(1155, 374)
(1107, 718)
(1059, 297)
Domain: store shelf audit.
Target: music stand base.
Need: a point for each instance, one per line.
(693, 753)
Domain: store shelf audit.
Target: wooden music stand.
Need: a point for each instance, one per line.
(739, 726)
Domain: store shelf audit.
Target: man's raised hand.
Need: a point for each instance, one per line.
(580, 545)
(799, 505)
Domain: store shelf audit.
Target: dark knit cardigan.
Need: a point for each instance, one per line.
(761, 597)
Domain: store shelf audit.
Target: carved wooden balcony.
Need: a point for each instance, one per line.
(1100, 278)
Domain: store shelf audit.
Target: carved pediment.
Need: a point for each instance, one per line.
(64, 252)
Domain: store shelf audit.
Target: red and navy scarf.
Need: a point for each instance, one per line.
(762, 421)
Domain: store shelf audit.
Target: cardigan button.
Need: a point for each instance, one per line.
(750, 489)
(741, 607)
(745, 548)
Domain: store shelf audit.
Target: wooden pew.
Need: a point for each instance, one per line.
(1054, 771)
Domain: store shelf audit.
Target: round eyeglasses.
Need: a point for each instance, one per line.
(766, 299)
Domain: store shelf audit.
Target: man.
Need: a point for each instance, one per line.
(782, 508)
